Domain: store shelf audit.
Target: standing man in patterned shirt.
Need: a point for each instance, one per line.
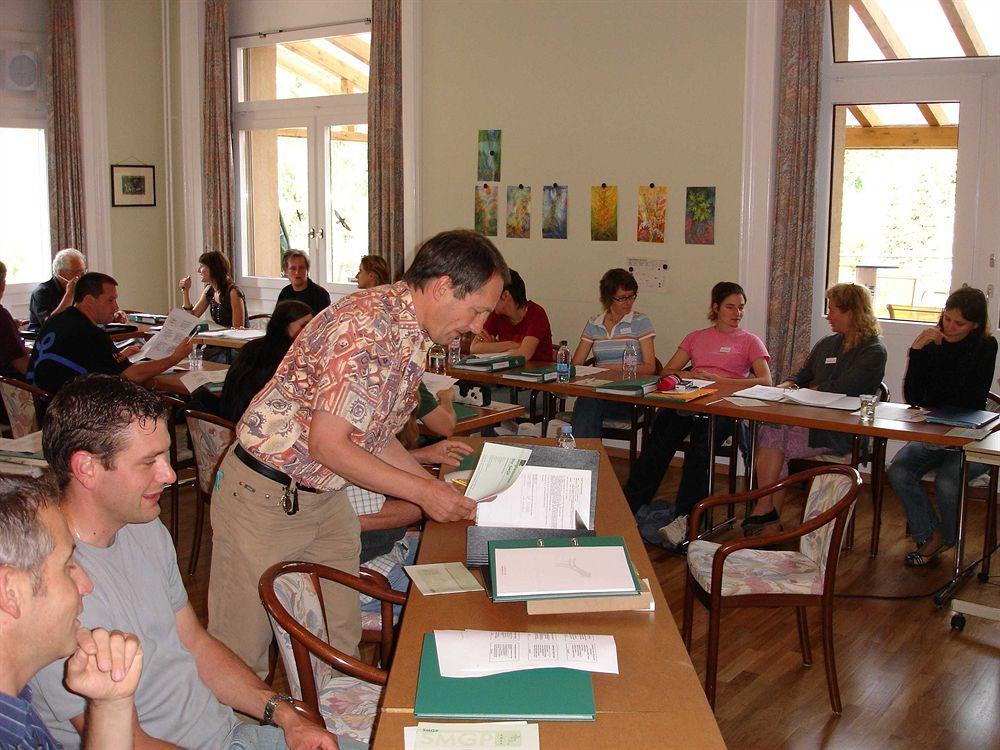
(329, 417)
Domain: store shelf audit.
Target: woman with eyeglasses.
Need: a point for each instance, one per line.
(950, 365)
(605, 337)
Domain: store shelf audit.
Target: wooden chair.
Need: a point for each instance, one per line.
(739, 573)
(181, 458)
(259, 321)
(640, 420)
(211, 436)
(342, 689)
(25, 405)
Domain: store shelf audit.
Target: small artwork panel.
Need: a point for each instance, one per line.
(604, 213)
(699, 216)
(486, 209)
(555, 206)
(488, 156)
(133, 185)
(650, 274)
(651, 224)
(519, 212)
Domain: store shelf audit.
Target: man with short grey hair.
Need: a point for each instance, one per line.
(56, 294)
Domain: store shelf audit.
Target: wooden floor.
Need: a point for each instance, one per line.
(906, 679)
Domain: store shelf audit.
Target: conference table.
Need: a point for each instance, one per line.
(655, 696)
(170, 381)
(716, 404)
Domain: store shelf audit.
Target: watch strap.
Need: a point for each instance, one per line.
(272, 704)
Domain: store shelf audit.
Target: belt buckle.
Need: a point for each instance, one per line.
(290, 499)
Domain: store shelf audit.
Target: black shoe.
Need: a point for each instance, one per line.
(753, 523)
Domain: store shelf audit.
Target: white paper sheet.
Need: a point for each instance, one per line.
(497, 469)
(476, 653)
(197, 378)
(496, 734)
(436, 383)
(804, 396)
(239, 334)
(177, 328)
(543, 497)
(554, 571)
(582, 370)
(442, 578)
(592, 382)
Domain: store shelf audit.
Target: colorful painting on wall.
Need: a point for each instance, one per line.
(486, 209)
(555, 207)
(604, 213)
(699, 216)
(652, 214)
(519, 212)
(489, 156)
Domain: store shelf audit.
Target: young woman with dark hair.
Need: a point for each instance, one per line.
(950, 364)
(225, 301)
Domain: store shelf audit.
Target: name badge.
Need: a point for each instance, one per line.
(831, 360)
(625, 329)
(725, 349)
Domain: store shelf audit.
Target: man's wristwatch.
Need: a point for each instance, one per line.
(272, 704)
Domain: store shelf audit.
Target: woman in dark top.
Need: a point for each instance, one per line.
(256, 362)
(225, 301)
(950, 364)
(851, 361)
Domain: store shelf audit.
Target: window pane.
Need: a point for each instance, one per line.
(914, 29)
(308, 67)
(24, 205)
(348, 201)
(276, 199)
(892, 210)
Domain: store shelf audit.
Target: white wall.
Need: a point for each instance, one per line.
(623, 93)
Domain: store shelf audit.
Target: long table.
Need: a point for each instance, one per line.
(715, 405)
(657, 694)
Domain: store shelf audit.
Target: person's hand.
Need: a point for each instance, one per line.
(483, 338)
(106, 666)
(787, 384)
(443, 501)
(70, 284)
(183, 349)
(700, 375)
(302, 734)
(449, 452)
(930, 335)
(184, 284)
(446, 394)
(128, 351)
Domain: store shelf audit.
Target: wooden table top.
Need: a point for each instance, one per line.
(775, 413)
(484, 417)
(655, 670)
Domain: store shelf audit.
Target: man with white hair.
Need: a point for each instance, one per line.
(56, 294)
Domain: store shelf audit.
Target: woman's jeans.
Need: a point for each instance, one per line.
(589, 415)
(908, 468)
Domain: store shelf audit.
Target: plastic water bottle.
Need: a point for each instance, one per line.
(630, 360)
(454, 351)
(562, 363)
(566, 439)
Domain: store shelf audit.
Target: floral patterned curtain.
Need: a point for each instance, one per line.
(66, 219)
(789, 312)
(217, 182)
(385, 137)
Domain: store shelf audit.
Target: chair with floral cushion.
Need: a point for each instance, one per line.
(25, 405)
(344, 690)
(210, 437)
(740, 573)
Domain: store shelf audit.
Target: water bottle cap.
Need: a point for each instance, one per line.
(566, 429)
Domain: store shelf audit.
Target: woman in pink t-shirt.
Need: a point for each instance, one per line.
(723, 353)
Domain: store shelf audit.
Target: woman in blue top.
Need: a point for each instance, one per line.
(605, 335)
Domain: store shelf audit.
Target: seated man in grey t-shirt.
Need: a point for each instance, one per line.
(107, 443)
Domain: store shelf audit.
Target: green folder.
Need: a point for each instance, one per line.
(542, 374)
(491, 364)
(464, 412)
(578, 541)
(555, 694)
(637, 387)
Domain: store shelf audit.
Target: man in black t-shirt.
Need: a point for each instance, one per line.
(71, 343)
(295, 266)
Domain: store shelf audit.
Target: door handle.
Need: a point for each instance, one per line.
(320, 233)
(312, 233)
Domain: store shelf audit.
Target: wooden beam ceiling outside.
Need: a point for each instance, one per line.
(352, 45)
(905, 136)
(307, 71)
(324, 59)
(865, 115)
(335, 135)
(957, 13)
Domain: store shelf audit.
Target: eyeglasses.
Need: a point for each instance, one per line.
(626, 298)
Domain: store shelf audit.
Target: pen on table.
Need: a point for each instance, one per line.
(714, 402)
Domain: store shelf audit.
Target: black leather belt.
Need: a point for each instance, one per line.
(266, 471)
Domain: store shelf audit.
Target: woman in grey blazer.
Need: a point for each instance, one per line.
(851, 361)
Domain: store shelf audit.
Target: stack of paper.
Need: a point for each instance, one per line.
(555, 694)
(541, 497)
(478, 653)
(804, 396)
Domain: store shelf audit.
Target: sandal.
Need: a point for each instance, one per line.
(918, 559)
(752, 525)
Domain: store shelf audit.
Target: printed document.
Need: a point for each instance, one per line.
(495, 734)
(442, 578)
(436, 383)
(239, 334)
(804, 396)
(559, 571)
(477, 653)
(543, 497)
(177, 327)
(197, 378)
(498, 468)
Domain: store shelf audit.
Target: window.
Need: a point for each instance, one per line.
(302, 149)
(24, 205)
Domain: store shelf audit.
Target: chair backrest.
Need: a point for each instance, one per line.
(259, 321)
(826, 492)
(210, 437)
(883, 392)
(23, 403)
(297, 595)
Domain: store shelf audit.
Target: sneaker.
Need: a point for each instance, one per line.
(676, 531)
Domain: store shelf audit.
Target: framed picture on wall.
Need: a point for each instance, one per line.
(133, 185)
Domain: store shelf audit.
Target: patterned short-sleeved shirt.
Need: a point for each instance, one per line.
(361, 359)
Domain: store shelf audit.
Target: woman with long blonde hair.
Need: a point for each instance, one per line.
(850, 361)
